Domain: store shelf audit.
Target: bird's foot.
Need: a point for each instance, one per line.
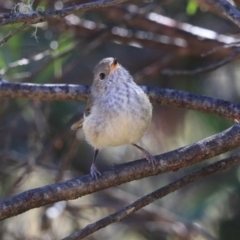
(94, 172)
(151, 160)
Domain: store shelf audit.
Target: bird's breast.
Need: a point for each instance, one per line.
(119, 118)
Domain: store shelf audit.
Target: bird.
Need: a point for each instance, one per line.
(118, 111)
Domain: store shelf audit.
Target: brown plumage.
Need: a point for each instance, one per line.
(118, 112)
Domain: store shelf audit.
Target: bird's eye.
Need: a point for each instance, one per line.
(102, 76)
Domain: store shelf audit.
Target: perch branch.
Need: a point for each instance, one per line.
(159, 193)
(75, 188)
(162, 96)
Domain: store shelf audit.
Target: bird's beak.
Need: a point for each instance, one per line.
(114, 65)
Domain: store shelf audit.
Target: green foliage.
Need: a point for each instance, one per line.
(192, 7)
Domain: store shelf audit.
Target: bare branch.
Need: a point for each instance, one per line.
(11, 34)
(158, 214)
(44, 91)
(181, 99)
(218, 48)
(75, 188)
(161, 24)
(162, 96)
(161, 192)
(228, 9)
(37, 16)
(209, 68)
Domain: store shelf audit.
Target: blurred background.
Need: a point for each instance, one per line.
(161, 44)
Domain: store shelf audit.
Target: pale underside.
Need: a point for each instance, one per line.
(116, 120)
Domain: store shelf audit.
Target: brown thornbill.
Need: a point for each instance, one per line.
(118, 111)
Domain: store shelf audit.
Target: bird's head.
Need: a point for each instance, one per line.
(107, 74)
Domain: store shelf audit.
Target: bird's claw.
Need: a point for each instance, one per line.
(150, 159)
(94, 172)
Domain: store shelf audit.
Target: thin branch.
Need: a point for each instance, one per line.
(183, 35)
(75, 188)
(209, 68)
(66, 159)
(37, 16)
(162, 96)
(218, 48)
(93, 41)
(154, 68)
(228, 9)
(185, 38)
(25, 61)
(161, 192)
(159, 214)
(11, 34)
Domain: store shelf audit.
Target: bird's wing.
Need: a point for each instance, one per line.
(87, 111)
(89, 106)
(77, 124)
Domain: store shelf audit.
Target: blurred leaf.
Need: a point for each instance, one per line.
(192, 7)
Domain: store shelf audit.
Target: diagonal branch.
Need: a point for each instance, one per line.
(213, 66)
(161, 192)
(11, 34)
(162, 96)
(37, 16)
(75, 188)
(159, 214)
(228, 9)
